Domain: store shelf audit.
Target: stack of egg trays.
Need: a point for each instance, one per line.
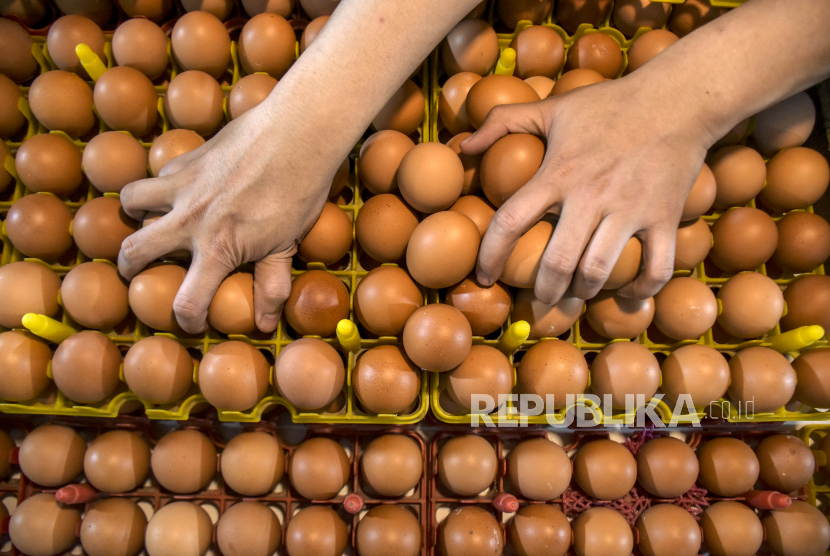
(574, 501)
(818, 489)
(217, 497)
(131, 330)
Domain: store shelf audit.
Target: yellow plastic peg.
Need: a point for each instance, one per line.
(348, 335)
(514, 337)
(507, 62)
(90, 61)
(47, 328)
(796, 339)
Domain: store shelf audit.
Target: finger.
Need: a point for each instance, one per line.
(658, 264)
(148, 195)
(148, 244)
(179, 162)
(599, 257)
(504, 119)
(196, 292)
(272, 286)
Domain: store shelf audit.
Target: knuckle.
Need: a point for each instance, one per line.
(659, 275)
(186, 308)
(559, 263)
(130, 248)
(506, 219)
(595, 272)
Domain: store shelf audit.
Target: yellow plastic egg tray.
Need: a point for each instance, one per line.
(818, 489)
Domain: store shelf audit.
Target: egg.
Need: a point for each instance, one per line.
(178, 527)
(602, 531)
(49, 163)
(540, 529)
(385, 381)
(666, 467)
(266, 44)
(668, 530)
(27, 287)
(803, 242)
(734, 135)
(522, 266)
(18, 63)
(786, 124)
(796, 178)
(728, 466)
(234, 376)
(319, 468)
(512, 11)
(539, 469)
(318, 301)
(452, 102)
(403, 112)
(194, 101)
(694, 240)
(316, 531)
(311, 31)
(199, 41)
(158, 370)
(232, 309)
(471, 164)
(383, 227)
(553, 368)
(24, 360)
(113, 526)
(183, 461)
(171, 144)
(739, 172)
(471, 46)
(691, 15)
(786, 462)
(763, 377)
(248, 529)
(545, 320)
(812, 369)
(42, 526)
(94, 295)
(111, 160)
(392, 465)
(442, 250)
(485, 371)
(626, 267)
(220, 8)
(570, 14)
(379, 159)
(486, 308)
(309, 373)
(731, 529)
(685, 308)
(252, 463)
(65, 34)
(389, 529)
(613, 316)
(100, 226)
(117, 461)
(11, 118)
(509, 164)
(575, 78)
(702, 195)
(467, 464)
(799, 529)
(744, 238)
(430, 177)
(38, 226)
(384, 300)
(61, 100)
(249, 92)
(154, 10)
(751, 305)
(541, 84)
(316, 8)
(330, 239)
(630, 15)
(476, 209)
(495, 90)
(126, 100)
(807, 299)
(470, 530)
(52, 455)
(141, 44)
(437, 337)
(605, 469)
(86, 367)
(539, 51)
(698, 371)
(647, 46)
(625, 370)
(595, 51)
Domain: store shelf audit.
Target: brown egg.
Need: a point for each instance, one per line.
(692, 14)
(699, 371)
(253, 463)
(647, 46)
(509, 164)
(49, 163)
(316, 531)
(392, 465)
(595, 51)
(319, 468)
(40, 525)
(248, 529)
(85, 367)
(485, 371)
(694, 240)
(113, 526)
(467, 465)
(786, 124)
(27, 287)
(141, 44)
(184, 461)
(739, 172)
(471, 46)
(625, 369)
(403, 112)
(171, 144)
(178, 528)
(807, 298)
(194, 101)
(731, 529)
(512, 11)
(384, 300)
(627, 266)
(751, 305)
(154, 10)
(126, 100)
(630, 15)
(158, 370)
(702, 195)
(151, 295)
(685, 308)
(117, 461)
(539, 469)
(476, 209)
(540, 529)
(100, 226)
(486, 308)
(470, 530)
(786, 462)
(309, 373)
(602, 531)
(800, 529)
(541, 84)
(38, 226)
(575, 78)
(232, 309)
(553, 368)
(763, 377)
(728, 466)
(389, 529)
(383, 227)
(220, 8)
(546, 320)
(266, 44)
(11, 118)
(94, 295)
(330, 239)
(16, 44)
(60, 100)
(539, 51)
(796, 178)
(812, 369)
(65, 34)
(379, 159)
(736, 134)
(666, 467)
(803, 242)
(442, 250)
(199, 41)
(24, 360)
(570, 14)
(52, 455)
(744, 238)
(668, 530)
(494, 90)
(111, 160)
(248, 92)
(311, 31)
(613, 316)
(385, 381)
(318, 301)
(471, 163)
(234, 376)
(431, 177)
(605, 469)
(522, 266)
(437, 337)
(452, 102)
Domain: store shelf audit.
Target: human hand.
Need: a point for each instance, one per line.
(620, 162)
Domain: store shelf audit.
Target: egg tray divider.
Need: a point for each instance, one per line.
(351, 507)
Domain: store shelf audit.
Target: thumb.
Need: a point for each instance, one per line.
(527, 117)
(272, 285)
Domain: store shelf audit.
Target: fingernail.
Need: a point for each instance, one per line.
(268, 323)
(483, 279)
